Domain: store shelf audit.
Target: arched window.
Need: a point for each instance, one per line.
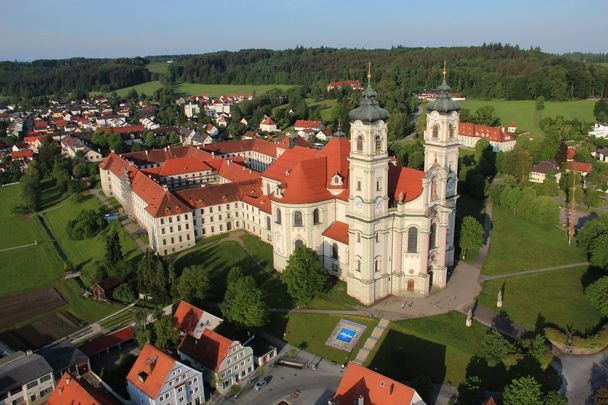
(359, 143)
(277, 216)
(412, 240)
(297, 218)
(334, 251)
(316, 218)
(298, 243)
(378, 144)
(376, 265)
(358, 264)
(452, 130)
(433, 236)
(435, 131)
(268, 223)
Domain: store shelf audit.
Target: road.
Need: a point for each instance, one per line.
(581, 375)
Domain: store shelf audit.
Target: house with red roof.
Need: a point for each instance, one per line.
(501, 140)
(77, 390)
(158, 378)
(307, 125)
(223, 361)
(579, 167)
(362, 386)
(191, 320)
(268, 124)
(353, 84)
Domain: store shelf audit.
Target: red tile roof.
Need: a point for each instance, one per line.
(307, 124)
(33, 139)
(262, 202)
(183, 165)
(102, 343)
(214, 194)
(235, 172)
(186, 317)
(287, 161)
(155, 365)
(337, 231)
(375, 388)
(22, 154)
(210, 350)
(337, 151)
(495, 134)
(40, 124)
(128, 129)
(404, 180)
(267, 121)
(72, 391)
(579, 167)
(241, 146)
(355, 84)
(570, 154)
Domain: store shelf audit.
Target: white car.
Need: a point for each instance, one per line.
(260, 384)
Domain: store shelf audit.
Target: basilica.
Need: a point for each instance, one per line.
(385, 230)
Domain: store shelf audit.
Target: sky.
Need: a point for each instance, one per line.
(46, 29)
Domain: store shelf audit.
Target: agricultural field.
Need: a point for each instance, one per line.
(195, 89)
(525, 116)
(325, 107)
(159, 67)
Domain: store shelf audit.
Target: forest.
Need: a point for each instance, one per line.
(76, 76)
(488, 71)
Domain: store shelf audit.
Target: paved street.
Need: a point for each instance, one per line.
(581, 374)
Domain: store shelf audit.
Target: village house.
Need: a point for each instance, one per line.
(362, 386)
(73, 390)
(223, 361)
(579, 167)
(601, 154)
(599, 130)
(268, 125)
(70, 146)
(353, 84)
(191, 320)
(541, 170)
(25, 378)
(63, 357)
(157, 378)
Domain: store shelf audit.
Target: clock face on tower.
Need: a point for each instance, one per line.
(358, 202)
(378, 203)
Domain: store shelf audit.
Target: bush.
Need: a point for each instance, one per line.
(595, 341)
(124, 293)
(597, 294)
(86, 225)
(496, 348)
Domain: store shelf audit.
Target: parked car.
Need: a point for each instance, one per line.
(260, 384)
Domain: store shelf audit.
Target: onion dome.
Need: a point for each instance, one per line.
(443, 103)
(368, 110)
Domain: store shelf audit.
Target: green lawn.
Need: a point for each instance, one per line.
(30, 267)
(440, 347)
(220, 256)
(86, 309)
(335, 298)
(310, 332)
(83, 253)
(325, 106)
(525, 116)
(196, 89)
(553, 298)
(517, 244)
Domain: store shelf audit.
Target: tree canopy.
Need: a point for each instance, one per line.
(244, 303)
(304, 275)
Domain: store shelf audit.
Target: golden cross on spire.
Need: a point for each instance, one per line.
(445, 69)
(369, 71)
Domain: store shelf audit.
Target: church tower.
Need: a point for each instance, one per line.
(368, 275)
(441, 167)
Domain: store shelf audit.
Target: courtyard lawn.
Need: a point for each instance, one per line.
(29, 267)
(517, 244)
(310, 332)
(440, 347)
(335, 298)
(83, 253)
(549, 298)
(525, 116)
(220, 256)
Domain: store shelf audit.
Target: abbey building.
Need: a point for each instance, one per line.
(385, 230)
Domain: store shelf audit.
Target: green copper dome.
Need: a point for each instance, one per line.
(443, 103)
(368, 110)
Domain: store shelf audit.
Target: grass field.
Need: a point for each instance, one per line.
(29, 267)
(517, 244)
(195, 89)
(553, 298)
(83, 253)
(439, 347)
(85, 309)
(159, 67)
(325, 106)
(310, 332)
(525, 116)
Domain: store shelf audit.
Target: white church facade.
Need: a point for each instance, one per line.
(385, 230)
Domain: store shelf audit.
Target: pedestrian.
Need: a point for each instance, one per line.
(403, 305)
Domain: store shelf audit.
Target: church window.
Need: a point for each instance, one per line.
(359, 143)
(297, 218)
(268, 223)
(435, 131)
(358, 238)
(433, 236)
(316, 219)
(298, 243)
(452, 130)
(378, 144)
(334, 251)
(377, 237)
(358, 264)
(412, 240)
(277, 214)
(358, 185)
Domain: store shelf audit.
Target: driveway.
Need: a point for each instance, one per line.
(581, 375)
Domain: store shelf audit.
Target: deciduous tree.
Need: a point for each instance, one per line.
(304, 275)
(193, 284)
(523, 390)
(244, 303)
(597, 293)
(471, 235)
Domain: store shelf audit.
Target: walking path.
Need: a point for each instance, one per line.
(131, 227)
(371, 341)
(20, 246)
(523, 273)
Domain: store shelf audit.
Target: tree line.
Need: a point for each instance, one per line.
(75, 76)
(488, 71)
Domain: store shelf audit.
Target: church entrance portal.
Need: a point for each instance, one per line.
(410, 285)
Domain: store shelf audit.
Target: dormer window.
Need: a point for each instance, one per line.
(336, 180)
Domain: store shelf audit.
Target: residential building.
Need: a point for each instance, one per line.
(601, 154)
(303, 125)
(268, 124)
(353, 84)
(157, 378)
(64, 357)
(599, 131)
(193, 321)
(512, 128)
(76, 390)
(362, 386)
(541, 170)
(469, 134)
(25, 378)
(191, 110)
(70, 146)
(223, 361)
(579, 167)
